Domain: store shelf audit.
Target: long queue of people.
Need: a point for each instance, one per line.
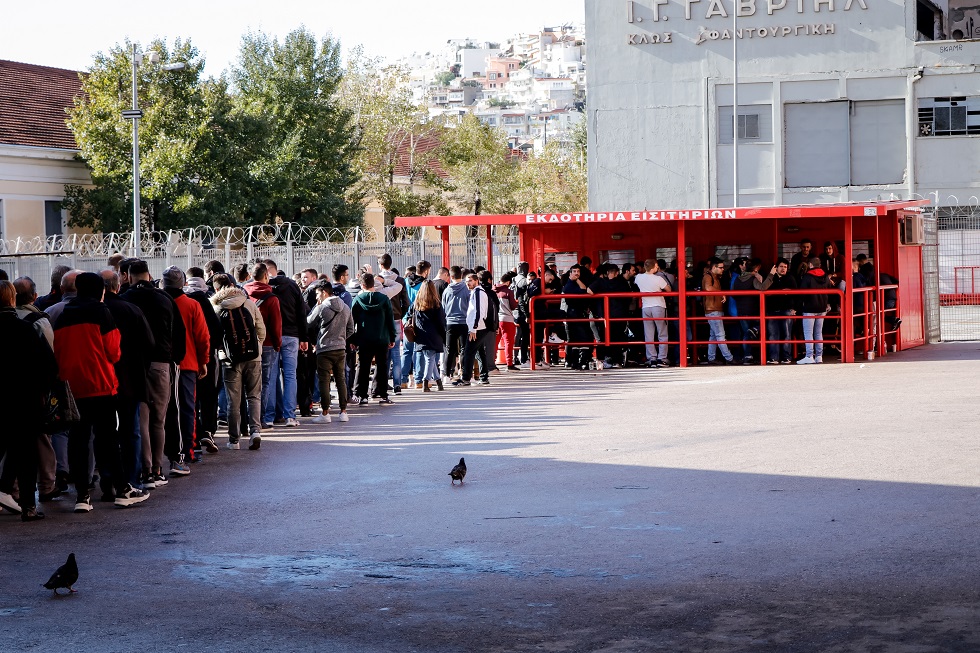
(151, 369)
(123, 381)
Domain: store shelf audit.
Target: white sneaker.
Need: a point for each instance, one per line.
(7, 501)
(343, 416)
(818, 359)
(234, 446)
(292, 421)
(543, 365)
(323, 418)
(525, 365)
(554, 339)
(806, 360)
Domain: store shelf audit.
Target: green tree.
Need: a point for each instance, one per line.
(445, 78)
(399, 144)
(554, 181)
(304, 171)
(480, 165)
(183, 182)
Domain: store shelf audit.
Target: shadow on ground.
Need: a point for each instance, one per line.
(621, 511)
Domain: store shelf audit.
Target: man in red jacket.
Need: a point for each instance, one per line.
(260, 292)
(86, 346)
(194, 365)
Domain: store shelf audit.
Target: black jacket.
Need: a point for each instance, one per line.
(136, 343)
(430, 329)
(160, 311)
(815, 278)
(618, 306)
(293, 307)
(780, 303)
(30, 368)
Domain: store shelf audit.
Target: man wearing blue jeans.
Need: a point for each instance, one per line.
(393, 287)
(260, 292)
(412, 361)
(293, 310)
(713, 308)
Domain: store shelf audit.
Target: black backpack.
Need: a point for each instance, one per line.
(241, 342)
(493, 310)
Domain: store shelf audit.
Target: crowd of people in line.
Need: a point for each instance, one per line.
(153, 367)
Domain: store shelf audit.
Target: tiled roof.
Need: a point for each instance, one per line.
(423, 145)
(33, 100)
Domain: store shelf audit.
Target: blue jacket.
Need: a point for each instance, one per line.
(455, 301)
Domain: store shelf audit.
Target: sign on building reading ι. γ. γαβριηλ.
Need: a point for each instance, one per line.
(802, 18)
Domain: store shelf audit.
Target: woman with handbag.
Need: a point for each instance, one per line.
(428, 321)
(22, 399)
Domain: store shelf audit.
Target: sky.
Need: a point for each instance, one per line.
(68, 34)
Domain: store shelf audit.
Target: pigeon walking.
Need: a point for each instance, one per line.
(458, 472)
(65, 576)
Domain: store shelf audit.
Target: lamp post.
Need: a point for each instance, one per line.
(135, 114)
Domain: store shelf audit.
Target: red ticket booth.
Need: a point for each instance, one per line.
(888, 232)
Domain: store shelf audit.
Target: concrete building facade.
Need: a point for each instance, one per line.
(37, 150)
(838, 100)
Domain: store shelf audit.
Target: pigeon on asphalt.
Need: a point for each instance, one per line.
(458, 472)
(65, 576)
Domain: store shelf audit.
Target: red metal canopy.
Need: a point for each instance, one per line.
(748, 213)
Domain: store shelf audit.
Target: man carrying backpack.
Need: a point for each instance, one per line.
(243, 331)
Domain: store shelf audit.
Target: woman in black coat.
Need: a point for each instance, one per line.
(429, 320)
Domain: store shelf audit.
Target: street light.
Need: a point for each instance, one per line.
(135, 114)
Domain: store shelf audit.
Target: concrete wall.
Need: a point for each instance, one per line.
(660, 70)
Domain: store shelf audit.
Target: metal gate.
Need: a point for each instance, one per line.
(958, 229)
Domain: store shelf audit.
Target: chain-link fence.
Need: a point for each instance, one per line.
(958, 231)
(292, 248)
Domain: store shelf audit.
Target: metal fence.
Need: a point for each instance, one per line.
(958, 231)
(293, 248)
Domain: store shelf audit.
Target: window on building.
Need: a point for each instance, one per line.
(54, 221)
(845, 143)
(728, 253)
(493, 75)
(754, 124)
(949, 116)
(928, 21)
(670, 253)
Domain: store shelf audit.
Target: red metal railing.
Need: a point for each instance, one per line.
(961, 295)
(682, 321)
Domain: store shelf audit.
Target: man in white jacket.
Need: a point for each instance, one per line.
(476, 322)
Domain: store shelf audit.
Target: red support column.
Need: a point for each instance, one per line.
(682, 289)
(879, 304)
(490, 248)
(446, 254)
(847, 305)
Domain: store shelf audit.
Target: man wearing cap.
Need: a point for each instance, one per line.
(87, 346)
(180, 442)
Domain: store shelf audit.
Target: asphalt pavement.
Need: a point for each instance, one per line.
(783, 508)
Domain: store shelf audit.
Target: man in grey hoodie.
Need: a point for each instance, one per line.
(455, 301)
(333, 323)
